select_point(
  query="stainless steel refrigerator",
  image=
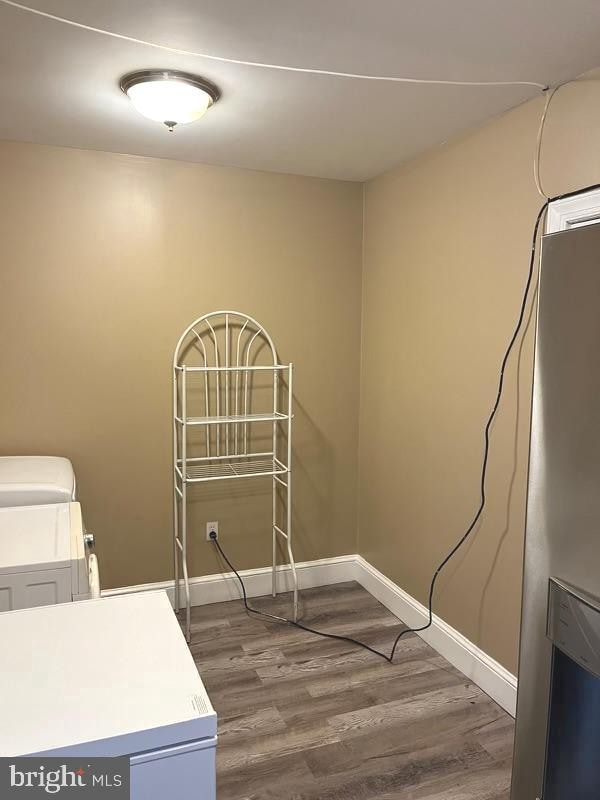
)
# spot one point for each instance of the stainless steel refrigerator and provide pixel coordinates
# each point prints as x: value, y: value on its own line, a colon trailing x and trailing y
x: 557, y: 745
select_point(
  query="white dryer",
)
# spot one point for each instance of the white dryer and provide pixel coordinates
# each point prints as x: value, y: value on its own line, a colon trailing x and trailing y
x: 36, y: 480
x: 112, y: 677
x: 44, y: 558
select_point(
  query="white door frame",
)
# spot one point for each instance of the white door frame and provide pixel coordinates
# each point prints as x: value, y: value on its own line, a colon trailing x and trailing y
x: 574, y: 212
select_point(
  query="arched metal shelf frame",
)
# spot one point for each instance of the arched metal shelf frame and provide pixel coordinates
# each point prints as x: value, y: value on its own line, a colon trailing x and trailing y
x: 214, y: 380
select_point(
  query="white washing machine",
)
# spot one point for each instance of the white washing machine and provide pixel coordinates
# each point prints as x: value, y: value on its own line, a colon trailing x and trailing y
x: 44, y: 558
x: 36, y: 480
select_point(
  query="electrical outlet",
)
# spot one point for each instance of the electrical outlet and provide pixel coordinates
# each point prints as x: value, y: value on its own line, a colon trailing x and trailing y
x: 212, y: 527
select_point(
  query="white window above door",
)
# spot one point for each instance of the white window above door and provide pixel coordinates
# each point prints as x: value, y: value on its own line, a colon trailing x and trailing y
x: 574, y: 212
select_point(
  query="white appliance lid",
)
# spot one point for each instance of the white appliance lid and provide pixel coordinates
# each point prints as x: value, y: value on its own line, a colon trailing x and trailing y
x: 38, y: 479
x: 114, y: 672
x: 35, y: 537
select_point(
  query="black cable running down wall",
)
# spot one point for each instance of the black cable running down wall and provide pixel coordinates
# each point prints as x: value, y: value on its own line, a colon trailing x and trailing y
x: 483, y: 474
x: 486, y: 449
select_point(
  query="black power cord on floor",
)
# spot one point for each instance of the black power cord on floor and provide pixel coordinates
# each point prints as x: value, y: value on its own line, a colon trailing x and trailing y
x: 483, y: 498
x: 275, y: 618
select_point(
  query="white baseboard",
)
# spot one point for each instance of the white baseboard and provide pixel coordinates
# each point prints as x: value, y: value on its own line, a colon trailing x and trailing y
x: 488, y: 674
x: 224, y: 586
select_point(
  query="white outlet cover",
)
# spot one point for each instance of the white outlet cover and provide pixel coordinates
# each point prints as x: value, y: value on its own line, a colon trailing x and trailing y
x: 212, y: 526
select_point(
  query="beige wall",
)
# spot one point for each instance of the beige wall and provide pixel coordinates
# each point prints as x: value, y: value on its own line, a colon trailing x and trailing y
x: 447, y: 241
x: 105, y: 259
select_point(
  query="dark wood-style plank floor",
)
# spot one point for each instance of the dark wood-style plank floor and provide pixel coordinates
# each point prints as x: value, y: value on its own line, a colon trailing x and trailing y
x: 306, y: 718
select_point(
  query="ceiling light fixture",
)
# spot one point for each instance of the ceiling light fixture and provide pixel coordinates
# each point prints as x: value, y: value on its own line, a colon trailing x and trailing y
x: 169, y: 96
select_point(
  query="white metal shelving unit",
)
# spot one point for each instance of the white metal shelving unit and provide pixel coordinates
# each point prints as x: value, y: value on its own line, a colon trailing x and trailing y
x: 222, y: 415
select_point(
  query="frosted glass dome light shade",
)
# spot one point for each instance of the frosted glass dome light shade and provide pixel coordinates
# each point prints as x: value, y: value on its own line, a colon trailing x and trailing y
x: 173, y: 98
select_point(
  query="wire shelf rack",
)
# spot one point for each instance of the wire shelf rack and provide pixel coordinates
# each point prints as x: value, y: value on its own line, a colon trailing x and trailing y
x: 219, y: 430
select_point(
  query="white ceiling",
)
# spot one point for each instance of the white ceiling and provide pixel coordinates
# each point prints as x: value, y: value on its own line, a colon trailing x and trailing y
x: 59, y: 84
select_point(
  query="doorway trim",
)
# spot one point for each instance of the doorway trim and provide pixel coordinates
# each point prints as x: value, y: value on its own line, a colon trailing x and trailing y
x: 574, y: 212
